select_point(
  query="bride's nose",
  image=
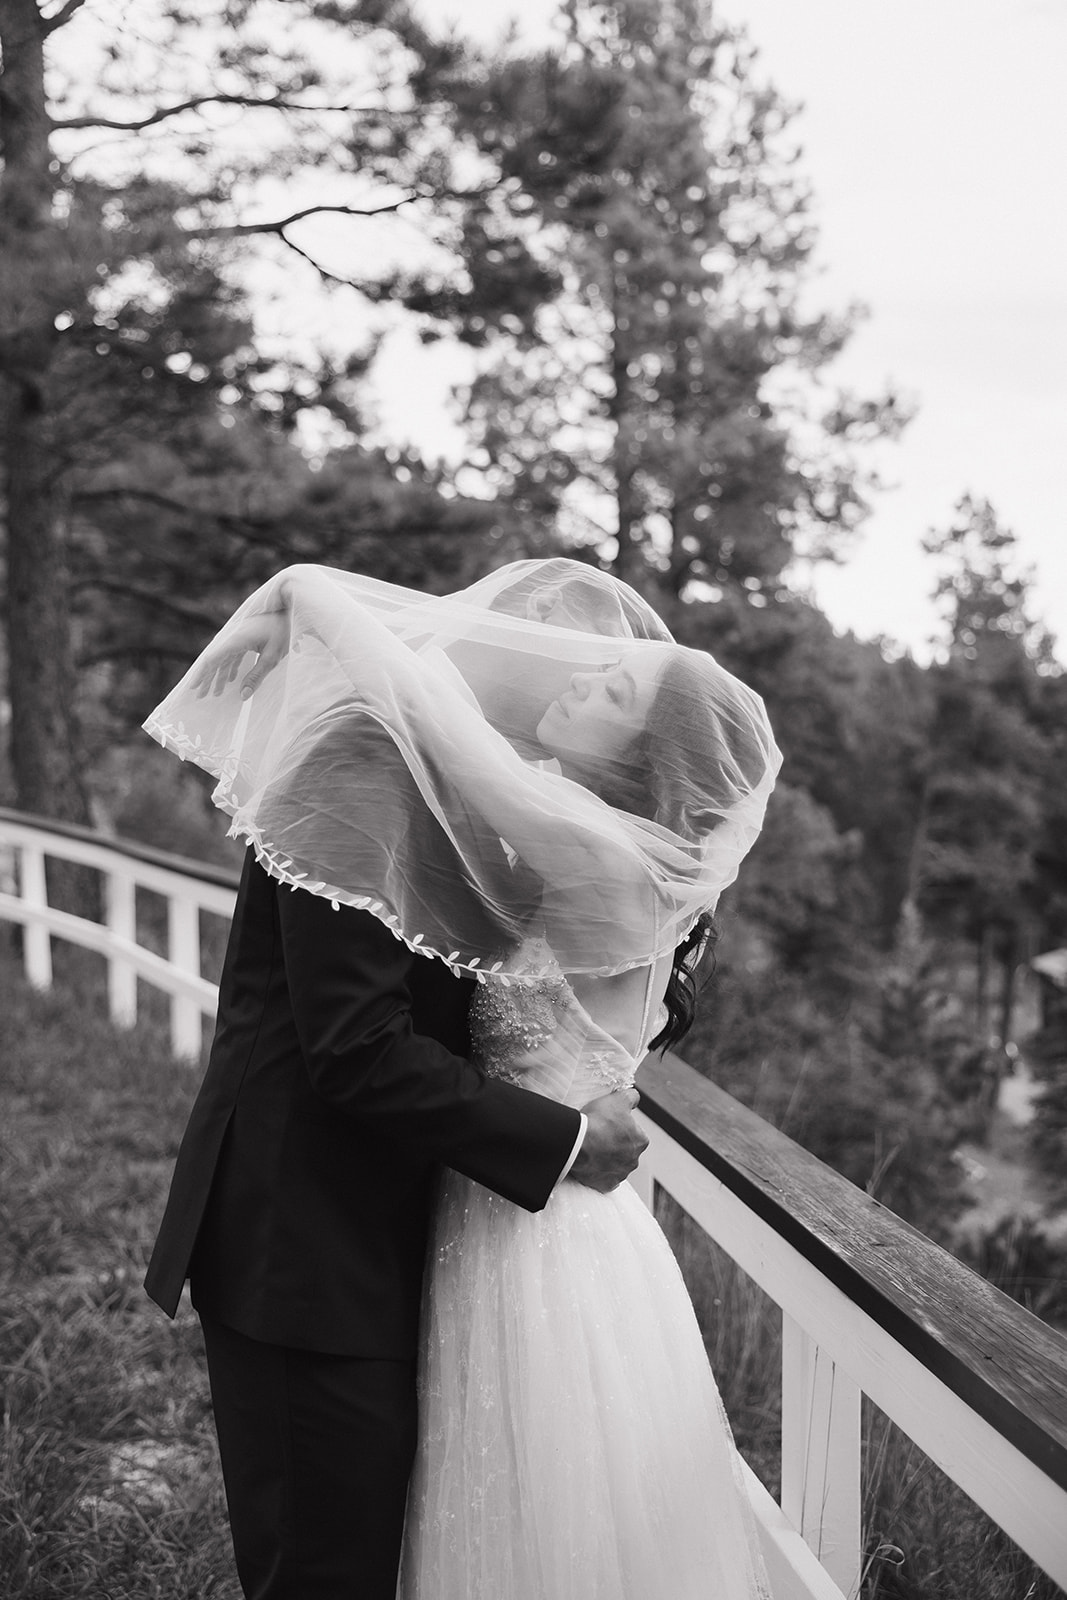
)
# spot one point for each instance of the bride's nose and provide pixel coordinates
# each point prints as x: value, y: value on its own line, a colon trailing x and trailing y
x: 581, y: 684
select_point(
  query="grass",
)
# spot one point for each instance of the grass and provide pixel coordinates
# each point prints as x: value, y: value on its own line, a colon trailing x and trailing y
x: 109, y: 1479
x: 926, y: 1538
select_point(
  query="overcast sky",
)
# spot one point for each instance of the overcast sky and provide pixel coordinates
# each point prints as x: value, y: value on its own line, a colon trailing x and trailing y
x: 935, y: 139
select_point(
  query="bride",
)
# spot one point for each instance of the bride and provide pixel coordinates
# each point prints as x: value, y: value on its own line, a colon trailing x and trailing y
x: 572, y: 1441
x: 600, y: 786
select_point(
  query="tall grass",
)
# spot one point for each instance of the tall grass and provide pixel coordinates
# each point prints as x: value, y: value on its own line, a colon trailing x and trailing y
x: 926, y: 1538
x: 109, y: 1480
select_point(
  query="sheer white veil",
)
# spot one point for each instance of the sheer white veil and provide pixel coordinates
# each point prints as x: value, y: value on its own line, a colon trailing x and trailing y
x: 397, y: 758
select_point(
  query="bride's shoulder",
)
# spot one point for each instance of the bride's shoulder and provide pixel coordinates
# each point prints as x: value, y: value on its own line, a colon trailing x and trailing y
x: 534, y: 958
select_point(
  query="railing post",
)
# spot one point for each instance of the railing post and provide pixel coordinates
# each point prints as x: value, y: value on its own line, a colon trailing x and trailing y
x: 821, y: 1487
x: 183, y: 951
x: 122, y: 921
x: 36, y: 945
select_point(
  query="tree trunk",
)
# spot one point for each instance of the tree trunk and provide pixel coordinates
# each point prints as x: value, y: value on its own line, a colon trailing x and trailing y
x: 914, y: 879
x: 45, y: 758
x: 622, y: 451
x: 44, y: 735
x: 981, y: 996
x: 1010, y: 958
x: 681, y: 560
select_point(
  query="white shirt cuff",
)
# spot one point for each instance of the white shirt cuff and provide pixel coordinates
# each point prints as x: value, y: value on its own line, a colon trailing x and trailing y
x: 577, y: 1146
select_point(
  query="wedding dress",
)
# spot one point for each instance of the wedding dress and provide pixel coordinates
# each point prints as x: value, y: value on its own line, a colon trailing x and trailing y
x: 573, y: 1445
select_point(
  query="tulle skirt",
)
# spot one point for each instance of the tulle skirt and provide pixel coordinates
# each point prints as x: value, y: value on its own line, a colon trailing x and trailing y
x: 573, y: 1443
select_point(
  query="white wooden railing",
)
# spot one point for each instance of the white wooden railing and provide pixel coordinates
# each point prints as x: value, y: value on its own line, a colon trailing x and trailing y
x: 189, y: 889
x: 869, y: 1306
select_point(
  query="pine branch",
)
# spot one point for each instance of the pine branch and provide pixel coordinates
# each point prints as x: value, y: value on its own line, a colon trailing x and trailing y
x: 154, y: 597
x: 324, y: 272
x: 58, y: 18
x: 249, y: 102
x: 160, y: 651
x: 243, y: 229
x: 237, y: 230
x: 247, y: 525
x: 269, y: 532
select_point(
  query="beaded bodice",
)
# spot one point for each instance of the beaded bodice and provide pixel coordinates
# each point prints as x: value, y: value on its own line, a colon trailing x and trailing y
x: 534, y: 1032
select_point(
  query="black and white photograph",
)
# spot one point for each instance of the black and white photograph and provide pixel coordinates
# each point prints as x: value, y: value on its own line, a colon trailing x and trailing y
x: 533, y: 800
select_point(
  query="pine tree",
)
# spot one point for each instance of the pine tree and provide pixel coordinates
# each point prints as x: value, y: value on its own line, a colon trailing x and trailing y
x: 648, y: 240
x: 985, y: 593
x: 120, y: 328
x: 991, y: 756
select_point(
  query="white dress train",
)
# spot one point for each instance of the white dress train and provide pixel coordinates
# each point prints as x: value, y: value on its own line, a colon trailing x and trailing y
x: 573, y: 1445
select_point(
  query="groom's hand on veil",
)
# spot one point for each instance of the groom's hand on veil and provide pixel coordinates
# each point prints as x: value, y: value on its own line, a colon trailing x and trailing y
x: 613, y: 1142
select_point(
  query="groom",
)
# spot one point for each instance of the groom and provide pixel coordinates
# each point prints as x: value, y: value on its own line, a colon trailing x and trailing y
x: 337, y: 1086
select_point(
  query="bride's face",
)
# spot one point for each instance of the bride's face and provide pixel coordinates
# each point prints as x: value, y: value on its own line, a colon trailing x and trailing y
x: 601, y: 713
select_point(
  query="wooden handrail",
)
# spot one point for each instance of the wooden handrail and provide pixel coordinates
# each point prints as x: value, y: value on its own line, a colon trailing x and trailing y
x: 187, y: 866
x: 1003, y: 1362
x: 869, y: 1307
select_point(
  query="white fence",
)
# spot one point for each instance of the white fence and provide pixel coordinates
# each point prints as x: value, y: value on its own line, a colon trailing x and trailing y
x: 189, y: 889
x: 869, y: 1306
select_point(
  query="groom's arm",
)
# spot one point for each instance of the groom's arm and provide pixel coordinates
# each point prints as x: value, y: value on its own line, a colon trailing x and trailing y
x: 349, y: 987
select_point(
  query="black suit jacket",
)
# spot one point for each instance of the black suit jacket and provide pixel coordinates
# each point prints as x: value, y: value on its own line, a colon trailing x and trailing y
x: 335, y: 1089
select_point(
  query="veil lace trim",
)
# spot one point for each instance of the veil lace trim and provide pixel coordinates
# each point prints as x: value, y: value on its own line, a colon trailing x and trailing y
x: 278, y: 866
x: 388, y: 753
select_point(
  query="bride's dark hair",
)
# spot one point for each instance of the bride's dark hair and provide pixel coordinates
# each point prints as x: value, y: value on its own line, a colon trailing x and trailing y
x: 681, y: 996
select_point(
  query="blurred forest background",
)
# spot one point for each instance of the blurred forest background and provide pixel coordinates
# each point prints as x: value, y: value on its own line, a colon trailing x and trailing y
x: 615, y: 235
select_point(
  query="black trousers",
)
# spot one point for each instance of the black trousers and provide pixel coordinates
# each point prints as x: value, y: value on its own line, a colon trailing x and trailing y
x: 316, y: 1453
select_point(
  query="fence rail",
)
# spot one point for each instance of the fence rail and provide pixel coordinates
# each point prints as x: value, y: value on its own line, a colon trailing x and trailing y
x: 869, y: 1306
x: 189, y: 888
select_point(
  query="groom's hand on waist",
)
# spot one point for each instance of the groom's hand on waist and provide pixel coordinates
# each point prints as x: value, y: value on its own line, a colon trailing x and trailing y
x: 613, y: 1142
